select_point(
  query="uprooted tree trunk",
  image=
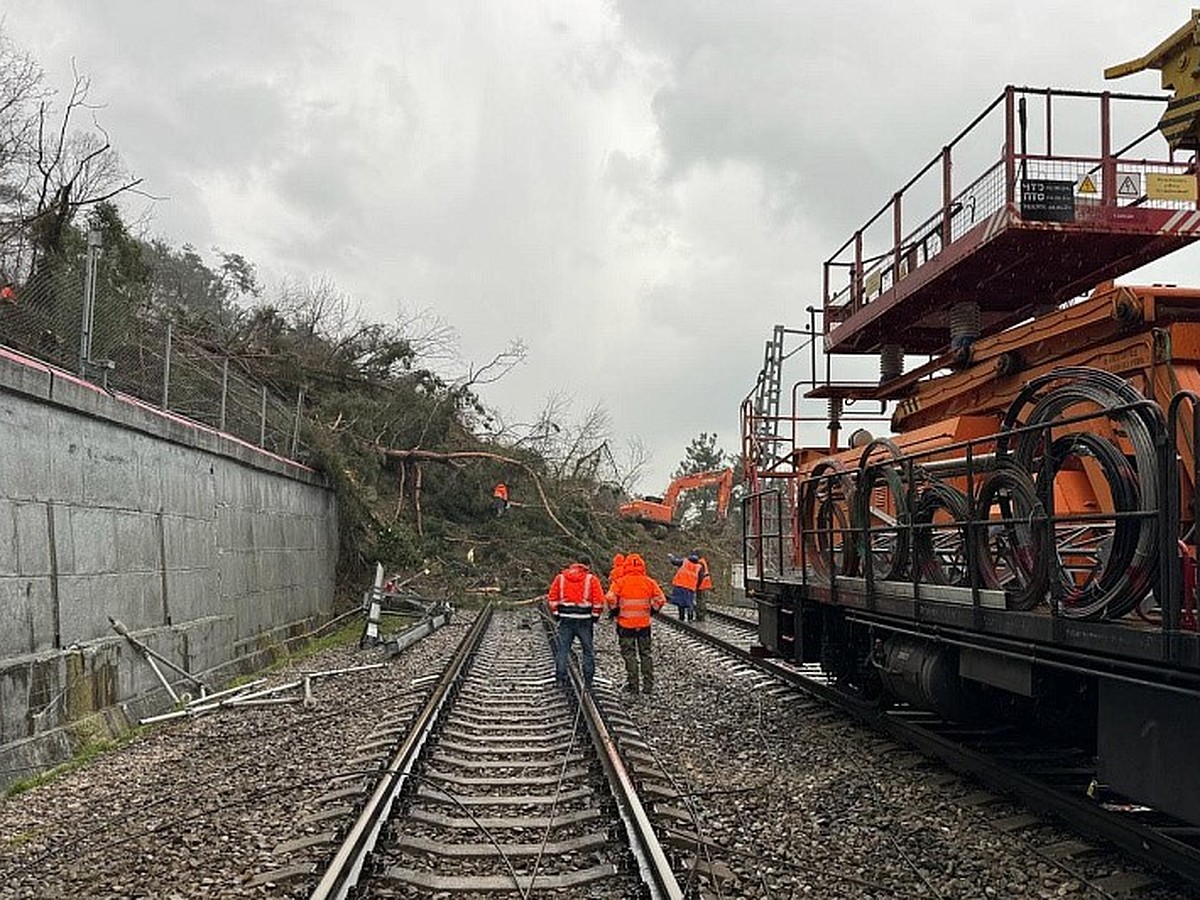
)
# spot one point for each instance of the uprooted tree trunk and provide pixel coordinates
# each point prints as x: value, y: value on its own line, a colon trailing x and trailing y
x: 455, y: 456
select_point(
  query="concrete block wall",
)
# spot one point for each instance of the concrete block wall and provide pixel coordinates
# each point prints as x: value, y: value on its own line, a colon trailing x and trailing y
x: 207, y: 549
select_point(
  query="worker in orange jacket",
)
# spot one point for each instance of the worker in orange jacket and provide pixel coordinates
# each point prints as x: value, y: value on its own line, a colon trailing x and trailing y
x: 617, y: 570
x: 703, y: 586
x: 631, y: 600
x: 576, y: 600
x: 685, y: 584
x: 500, y: 498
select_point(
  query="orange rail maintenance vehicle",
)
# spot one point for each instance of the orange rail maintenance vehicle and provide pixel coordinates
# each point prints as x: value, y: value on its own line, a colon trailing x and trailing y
x: 1023, y: 543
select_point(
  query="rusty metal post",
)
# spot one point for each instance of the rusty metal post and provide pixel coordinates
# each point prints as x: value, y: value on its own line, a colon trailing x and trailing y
x: 1010, y: 160
x: 947, y: 197
x: 1108, y: 165
x: 856, y: 283
x: 1049, y: 125
x: 897, y: 235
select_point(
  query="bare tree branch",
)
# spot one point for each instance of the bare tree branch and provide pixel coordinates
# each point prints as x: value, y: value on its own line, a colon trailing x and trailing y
x: 417, y: 454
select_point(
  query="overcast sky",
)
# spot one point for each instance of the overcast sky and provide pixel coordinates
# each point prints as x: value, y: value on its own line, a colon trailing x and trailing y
x: 638, y: 189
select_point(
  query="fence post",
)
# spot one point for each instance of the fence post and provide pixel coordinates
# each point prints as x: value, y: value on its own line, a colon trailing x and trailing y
x: 296, y: 423
x: 262, y: 420
x: 224, y: 389
x: 94, y: 241
x: 166, y: 392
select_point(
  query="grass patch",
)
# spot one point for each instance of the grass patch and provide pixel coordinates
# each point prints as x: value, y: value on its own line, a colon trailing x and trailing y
x: 347, y: 634
x: 16, y: 841
x: 92, y: 748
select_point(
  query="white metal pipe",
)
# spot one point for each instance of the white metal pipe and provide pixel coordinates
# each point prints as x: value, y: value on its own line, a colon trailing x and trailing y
x: 327, y: 672
x: 240, y: 689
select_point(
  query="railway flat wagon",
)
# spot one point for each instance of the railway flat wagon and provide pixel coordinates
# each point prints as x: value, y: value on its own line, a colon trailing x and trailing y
x: 1022, y: 546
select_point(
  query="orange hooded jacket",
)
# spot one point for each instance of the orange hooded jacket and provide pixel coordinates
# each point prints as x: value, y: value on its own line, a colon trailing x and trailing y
x: 617, y: 570
x: 576, y: 593
x: 635, y: 595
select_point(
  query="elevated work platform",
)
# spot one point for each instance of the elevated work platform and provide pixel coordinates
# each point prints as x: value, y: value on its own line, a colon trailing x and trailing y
x: 1036, y: 229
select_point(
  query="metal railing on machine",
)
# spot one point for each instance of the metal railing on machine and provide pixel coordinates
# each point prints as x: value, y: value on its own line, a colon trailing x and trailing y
x: 71, y: 316
x: 764, y: 528
x: 1060, y: 506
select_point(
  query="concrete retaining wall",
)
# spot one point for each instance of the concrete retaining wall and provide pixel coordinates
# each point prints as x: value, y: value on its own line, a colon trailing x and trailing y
x: 207, y: 549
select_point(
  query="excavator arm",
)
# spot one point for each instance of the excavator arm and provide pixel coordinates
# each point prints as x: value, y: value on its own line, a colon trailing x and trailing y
x: 663, y: 512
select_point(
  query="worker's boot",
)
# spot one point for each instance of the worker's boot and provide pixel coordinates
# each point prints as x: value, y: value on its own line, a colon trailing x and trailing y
x: 631, y: 687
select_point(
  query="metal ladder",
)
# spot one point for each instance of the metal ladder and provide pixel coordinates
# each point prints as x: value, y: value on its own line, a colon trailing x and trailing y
x: 766, y: 400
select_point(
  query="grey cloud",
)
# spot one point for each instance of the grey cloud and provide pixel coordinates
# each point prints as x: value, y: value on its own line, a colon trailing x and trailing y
x: 638, y: 189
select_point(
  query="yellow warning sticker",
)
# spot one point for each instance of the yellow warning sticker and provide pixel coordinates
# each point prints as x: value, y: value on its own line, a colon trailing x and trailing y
x: 1087, y: 186
x: 1161, y: 186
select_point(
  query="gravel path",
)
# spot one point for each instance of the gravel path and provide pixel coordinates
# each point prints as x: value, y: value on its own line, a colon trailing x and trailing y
x: 811, y: 804
x: 822, y: 807
x: 196, y: 808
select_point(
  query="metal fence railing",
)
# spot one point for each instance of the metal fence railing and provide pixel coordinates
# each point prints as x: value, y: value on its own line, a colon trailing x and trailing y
x: 75, y: 312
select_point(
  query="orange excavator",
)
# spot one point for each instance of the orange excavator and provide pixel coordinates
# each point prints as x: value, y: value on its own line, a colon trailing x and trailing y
x: 661, y: 510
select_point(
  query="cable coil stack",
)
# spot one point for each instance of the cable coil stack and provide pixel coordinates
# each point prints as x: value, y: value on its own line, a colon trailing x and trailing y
x: 1001, y: 513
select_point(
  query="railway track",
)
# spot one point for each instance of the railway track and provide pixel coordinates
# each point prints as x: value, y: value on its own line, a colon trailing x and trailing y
x: 1049, y: 780
x: 503, y: 785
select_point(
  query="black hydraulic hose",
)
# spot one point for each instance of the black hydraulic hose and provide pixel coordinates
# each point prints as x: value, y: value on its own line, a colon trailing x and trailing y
x: 891, y: 562
x: 939, y: 496
x: 1109, y: 588
x: 826, y: 499
x: 1140, y: 421
x: 1021, y: 540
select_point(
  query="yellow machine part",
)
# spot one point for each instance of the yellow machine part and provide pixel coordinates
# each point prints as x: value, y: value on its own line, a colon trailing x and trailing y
x: 1178, y: 59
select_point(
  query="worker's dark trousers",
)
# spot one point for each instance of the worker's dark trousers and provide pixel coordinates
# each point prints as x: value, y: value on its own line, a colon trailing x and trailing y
x: 568, y: 630
x: 639, y: 661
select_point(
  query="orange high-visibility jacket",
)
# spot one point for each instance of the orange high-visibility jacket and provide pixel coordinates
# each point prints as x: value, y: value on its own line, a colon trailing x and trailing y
x: 500, y: 491
x: 634, y: 595
x: 576, y: 594
x: 705, y: 576
x: 687, y: 575
x: 617, y: 570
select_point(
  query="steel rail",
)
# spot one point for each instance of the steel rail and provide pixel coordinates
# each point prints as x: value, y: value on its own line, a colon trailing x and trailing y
x: 343, y: 872
x: 653, y: 864
x: 1139, y: 841
x: 721, y: 616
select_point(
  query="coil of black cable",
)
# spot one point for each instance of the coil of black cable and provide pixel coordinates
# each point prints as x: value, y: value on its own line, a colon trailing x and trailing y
x: 826, y: 500
x: 890, y: 563
x: 1019, y: 540
x: 1053, y: 396
x: 940, y: 496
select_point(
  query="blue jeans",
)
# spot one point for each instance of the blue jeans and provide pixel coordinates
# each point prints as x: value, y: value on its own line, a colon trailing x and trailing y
x: 568, y: 630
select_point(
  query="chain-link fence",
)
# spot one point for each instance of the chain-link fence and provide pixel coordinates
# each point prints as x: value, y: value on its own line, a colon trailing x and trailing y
x: 119, y: 340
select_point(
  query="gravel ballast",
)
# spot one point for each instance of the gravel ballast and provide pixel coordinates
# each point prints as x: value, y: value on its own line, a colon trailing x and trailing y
x: 805, y: 802
x: 816, y: 805
x: 196, y: 808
